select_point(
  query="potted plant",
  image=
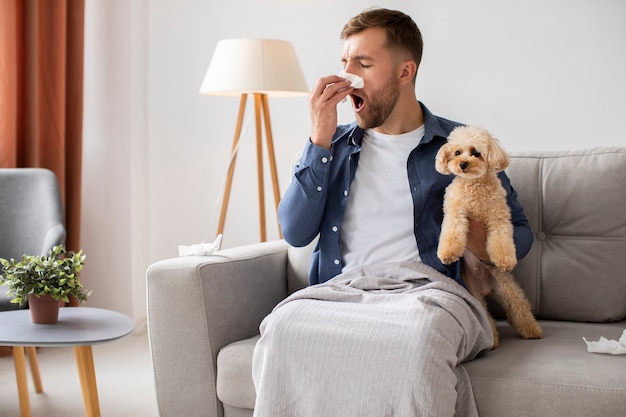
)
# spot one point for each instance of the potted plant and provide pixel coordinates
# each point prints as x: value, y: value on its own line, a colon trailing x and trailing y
x: 47, y: 279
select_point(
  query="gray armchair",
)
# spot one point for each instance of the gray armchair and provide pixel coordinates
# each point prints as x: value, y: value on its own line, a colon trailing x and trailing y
x: 31, y: 216
x: 31, y: 222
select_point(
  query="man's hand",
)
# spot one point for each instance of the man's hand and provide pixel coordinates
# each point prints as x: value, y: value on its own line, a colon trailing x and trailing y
x: 328, y: 92
x: 477, y: 241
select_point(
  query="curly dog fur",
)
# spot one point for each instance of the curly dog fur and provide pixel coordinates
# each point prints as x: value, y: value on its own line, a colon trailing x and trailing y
x: 476, y: 193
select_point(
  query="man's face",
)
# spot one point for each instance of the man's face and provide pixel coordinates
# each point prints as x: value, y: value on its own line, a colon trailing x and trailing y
x: 365, y: 55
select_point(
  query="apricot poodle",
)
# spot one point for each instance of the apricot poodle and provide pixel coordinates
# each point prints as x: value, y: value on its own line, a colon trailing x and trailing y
x: 476, y: 193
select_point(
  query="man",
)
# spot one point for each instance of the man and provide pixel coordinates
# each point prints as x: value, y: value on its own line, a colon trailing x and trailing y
x: 386, y: 331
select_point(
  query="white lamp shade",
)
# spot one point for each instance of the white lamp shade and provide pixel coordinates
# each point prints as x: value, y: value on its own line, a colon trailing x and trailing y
x: 265, y: 66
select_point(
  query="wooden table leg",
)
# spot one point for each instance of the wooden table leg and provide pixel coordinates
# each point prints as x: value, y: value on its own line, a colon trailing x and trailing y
x: 87, y: 375
x: 19, y: 361
x: 31, y: 353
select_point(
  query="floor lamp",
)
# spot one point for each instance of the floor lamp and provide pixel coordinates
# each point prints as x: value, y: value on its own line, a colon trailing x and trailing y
x: 261, y: 68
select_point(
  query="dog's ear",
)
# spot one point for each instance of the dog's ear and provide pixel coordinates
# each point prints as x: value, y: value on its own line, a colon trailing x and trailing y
x: 496, y: 157
x: 441, y: 160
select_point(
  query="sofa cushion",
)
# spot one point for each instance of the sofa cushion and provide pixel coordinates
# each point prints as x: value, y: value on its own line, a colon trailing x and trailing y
x: 551, y: 376
x: 234, y: 374
x: 575, y: 204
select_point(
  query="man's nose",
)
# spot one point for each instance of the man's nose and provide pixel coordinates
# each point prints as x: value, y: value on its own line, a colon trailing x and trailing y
x: 351, y: 67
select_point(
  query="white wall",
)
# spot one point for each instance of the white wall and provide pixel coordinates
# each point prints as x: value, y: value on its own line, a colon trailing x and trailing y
x: 115, y: 210
x: 545, y: 75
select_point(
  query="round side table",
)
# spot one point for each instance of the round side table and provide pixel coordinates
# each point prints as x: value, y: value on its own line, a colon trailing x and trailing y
x: 80, y: 327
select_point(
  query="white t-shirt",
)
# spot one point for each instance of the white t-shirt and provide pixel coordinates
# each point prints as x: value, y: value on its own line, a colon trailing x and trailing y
x: 378, y: 223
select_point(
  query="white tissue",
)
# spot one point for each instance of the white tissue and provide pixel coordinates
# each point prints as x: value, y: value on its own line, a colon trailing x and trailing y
x: 200, y: 249
x: 604, y: 345
x: 356, y: 81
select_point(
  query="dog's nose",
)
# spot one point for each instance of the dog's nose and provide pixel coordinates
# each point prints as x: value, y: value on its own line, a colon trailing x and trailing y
x: 463, y: 165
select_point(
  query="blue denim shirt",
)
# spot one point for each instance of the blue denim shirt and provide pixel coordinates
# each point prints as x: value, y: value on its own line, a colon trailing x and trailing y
x: 315, y: 201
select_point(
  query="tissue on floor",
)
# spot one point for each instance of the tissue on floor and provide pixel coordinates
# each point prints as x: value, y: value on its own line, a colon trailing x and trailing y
x: 604, y: 345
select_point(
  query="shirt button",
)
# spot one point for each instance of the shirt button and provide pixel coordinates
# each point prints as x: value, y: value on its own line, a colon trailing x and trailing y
x: 336, y: 261
x: 319, y: 188
x: 345, y: 193
x: 335, y: 228
x: 324, y: 160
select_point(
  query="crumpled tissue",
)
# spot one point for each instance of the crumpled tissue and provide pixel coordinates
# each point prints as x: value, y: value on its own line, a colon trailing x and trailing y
x: 357, y: 82
x: 200, y: 249
x: 604, y: 345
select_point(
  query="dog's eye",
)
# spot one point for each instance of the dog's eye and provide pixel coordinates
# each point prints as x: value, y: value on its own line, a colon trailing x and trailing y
x: 457, y: 153
x: 475, y: 153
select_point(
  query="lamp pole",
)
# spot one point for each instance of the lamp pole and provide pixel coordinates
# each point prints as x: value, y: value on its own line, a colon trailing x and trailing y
x: 262, y: 117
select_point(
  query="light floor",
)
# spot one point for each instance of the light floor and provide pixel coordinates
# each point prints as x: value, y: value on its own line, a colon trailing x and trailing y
x: 123, y: 373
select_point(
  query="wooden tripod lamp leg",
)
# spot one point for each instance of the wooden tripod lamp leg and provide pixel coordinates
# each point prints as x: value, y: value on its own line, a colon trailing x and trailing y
x: 261, y: 106
x: 259, y: 163
x: 231, y: 166
x: 272, y: 157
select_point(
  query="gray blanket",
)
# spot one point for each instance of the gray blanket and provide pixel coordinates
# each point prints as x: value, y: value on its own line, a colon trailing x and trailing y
x: 383, y: 340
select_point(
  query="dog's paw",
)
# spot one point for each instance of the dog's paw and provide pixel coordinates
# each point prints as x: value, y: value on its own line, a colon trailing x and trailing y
x: 525, y: 324
x: 447, y: 257
x: 502, y: 253
x: 450, y: 250
x: 530, y: 331
x: 505, y: 263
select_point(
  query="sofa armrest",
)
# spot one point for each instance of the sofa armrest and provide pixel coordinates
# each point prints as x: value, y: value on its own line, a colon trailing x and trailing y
x: 196, y: 306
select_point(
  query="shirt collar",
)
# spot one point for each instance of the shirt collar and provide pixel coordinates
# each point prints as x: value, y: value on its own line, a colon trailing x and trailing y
x: 432, y: 126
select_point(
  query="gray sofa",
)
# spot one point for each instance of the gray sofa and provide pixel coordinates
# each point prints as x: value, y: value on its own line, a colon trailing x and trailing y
x: 204, y: 312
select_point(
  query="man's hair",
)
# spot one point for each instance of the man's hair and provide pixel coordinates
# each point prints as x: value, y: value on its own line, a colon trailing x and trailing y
x: 403, y: 35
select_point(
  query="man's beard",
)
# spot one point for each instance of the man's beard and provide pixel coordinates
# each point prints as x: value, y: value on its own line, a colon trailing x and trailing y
x: 379, y: 106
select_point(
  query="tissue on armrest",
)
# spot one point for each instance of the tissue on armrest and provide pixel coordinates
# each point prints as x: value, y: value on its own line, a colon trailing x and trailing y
x: 604, y: 345
x: 200, y: 249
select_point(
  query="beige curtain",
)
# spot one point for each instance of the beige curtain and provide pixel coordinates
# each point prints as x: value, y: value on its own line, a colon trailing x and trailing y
x: 41, y: 94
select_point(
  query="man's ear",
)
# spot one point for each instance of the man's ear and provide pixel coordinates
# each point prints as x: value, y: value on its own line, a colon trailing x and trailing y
x: 441, y: 160
x: 407, y: 73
